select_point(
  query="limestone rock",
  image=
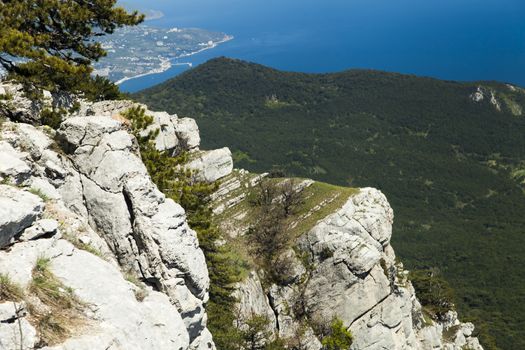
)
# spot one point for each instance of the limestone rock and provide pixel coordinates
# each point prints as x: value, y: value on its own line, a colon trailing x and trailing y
x: 34, y: 140
x: 188, y: 133
x: 18, y: 210
x: 12, y: 320
x: 44, y: 227
x: 116, y: 319
x: 12, y: 164
x: 212, y: 165
x: 167, y: 139
x: 352, y: 274
x: 253, y: 301
x: 146, y: 231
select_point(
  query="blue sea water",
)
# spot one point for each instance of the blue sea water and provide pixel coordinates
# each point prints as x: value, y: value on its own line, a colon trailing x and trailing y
x: 448, y: 39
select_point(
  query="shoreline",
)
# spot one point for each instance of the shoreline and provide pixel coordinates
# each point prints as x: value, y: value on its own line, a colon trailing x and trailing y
x: 166, y: 63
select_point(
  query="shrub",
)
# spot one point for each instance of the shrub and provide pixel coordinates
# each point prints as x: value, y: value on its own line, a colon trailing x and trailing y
x: 269, y: 236
x: 433, y: 292
x: 52, y: 117
x: 183, y: 187
x: 339, y: 337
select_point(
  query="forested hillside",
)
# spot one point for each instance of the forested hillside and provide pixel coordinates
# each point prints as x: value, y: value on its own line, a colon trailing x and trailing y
x: 449, y: 156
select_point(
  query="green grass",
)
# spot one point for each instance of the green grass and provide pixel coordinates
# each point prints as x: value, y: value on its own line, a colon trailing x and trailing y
x: 321, y: 200
x: 421, y: 141
x: 77, y: 243
x: 39, y: 193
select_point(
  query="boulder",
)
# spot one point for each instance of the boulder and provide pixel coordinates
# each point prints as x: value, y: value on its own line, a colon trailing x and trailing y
x: 211, y: 165
x: 15, y: 330
x: 12, y: 164
x: 41, y: 228
x: 188, y: 133
x: 18, y: 210
x: 34, y: 140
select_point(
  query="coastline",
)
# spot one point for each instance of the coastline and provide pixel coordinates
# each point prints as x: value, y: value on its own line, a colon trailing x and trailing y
x: 166, y: 63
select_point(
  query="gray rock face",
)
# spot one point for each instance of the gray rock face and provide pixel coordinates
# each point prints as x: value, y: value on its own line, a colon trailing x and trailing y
x: 212, y: 165
x: 100, y: 192
x: 352, y: 275
x: 253, y: 301
x: 146, y: 231
x: 23, y: 109
x: 119, y: 321
x: 18, y: 210
x: 11, y: 163
x: 188, y: 133
x: 175, y: 134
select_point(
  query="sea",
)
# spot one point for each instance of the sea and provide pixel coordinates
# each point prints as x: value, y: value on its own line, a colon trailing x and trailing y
x: 465, y: 40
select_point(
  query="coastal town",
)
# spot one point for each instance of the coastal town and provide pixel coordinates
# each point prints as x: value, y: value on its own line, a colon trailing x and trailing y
x: 143, y: 50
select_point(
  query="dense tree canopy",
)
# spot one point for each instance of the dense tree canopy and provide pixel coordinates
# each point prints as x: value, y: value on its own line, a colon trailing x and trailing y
x: 51, y: 44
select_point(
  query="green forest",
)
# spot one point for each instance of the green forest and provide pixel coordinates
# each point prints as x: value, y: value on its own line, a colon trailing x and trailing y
x: 452, y: 168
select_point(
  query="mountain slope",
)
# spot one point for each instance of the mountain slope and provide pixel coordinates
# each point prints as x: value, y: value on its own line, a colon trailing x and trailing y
x: 448, y: 155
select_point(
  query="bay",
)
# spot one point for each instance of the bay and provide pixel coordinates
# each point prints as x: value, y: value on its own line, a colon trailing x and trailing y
x: 464, y: 40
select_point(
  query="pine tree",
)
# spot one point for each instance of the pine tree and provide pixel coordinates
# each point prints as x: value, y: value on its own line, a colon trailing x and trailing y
x: 193, y: 195
x: 50, y: 44
x: 339, y: 338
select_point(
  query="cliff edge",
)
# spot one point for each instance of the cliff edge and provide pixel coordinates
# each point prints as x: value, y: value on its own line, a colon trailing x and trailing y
x: 94, y: 256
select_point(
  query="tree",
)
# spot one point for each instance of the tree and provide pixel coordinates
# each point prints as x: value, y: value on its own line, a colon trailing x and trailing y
x: 50, y: 44
x: 339, y: 338
x: 434, y: 293
x: 193, y: 195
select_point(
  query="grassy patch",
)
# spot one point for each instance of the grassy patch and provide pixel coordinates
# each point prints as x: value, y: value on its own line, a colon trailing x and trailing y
x: 39, y: 193
x: 140, y: 292
x: 77, y: 243
x: 321, y: 200
x: 61, y: 313
x: 9, y: 290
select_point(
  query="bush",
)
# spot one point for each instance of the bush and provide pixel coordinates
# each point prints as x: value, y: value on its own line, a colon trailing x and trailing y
x: 52, y: 117
x: 269, y: 236
x: 339, y: 337
x: 433, y: 292
x: 183, y: 187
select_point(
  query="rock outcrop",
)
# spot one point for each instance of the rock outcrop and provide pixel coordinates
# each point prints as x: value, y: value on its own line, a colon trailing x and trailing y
x: 82, y: 197
x: 347, y: 270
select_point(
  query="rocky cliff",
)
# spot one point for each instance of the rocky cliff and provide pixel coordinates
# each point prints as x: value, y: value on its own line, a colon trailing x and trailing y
x: 81, y: 221
x: 342, y: 266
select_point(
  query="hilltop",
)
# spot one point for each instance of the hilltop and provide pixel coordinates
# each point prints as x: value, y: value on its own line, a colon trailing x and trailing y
x: 448, y: 155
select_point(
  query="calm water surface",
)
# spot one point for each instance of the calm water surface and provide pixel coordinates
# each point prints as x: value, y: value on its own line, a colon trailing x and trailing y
x: 447, y: 39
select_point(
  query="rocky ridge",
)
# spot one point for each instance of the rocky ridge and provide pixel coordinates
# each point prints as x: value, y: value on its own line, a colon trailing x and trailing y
x: 81, y: 197
x: 344, y: 267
